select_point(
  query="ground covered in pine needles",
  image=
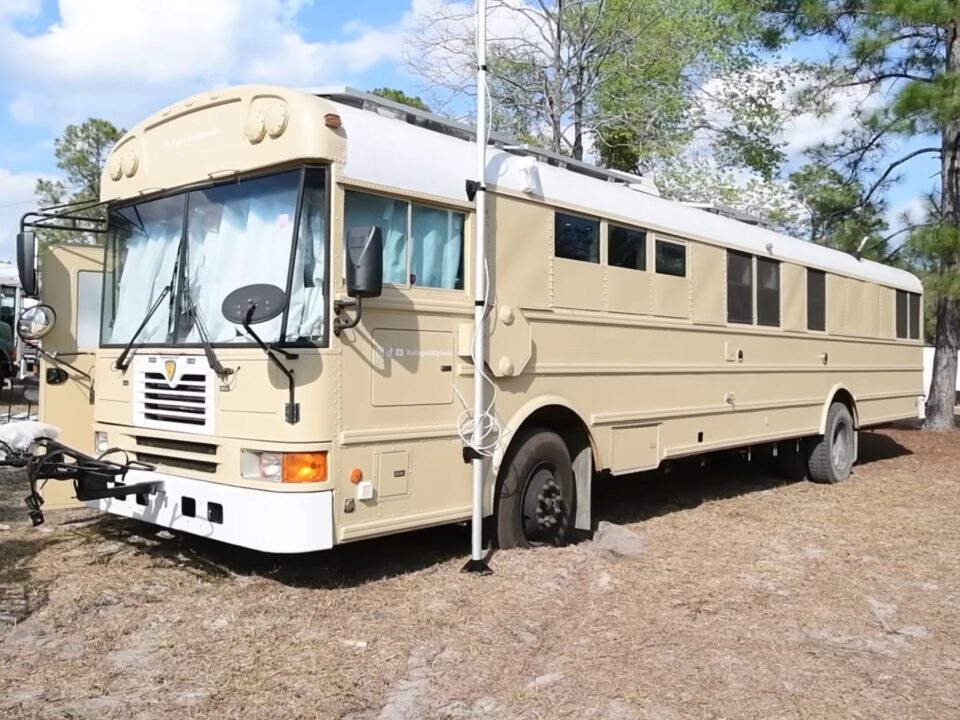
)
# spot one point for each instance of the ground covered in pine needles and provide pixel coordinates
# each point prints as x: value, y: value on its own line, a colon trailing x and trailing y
x: 742, y: 597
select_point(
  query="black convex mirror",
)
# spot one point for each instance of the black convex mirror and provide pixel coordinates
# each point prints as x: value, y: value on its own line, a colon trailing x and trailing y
x: 26, y: 262
x: 252, y: 304
x: 364, y: 261
x: 36, y: 322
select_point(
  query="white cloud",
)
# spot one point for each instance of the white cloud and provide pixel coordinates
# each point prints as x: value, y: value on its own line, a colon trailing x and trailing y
x: 797, y: 131
x: 16, y: 198
x: 121, y: 60
x: 809, y: 129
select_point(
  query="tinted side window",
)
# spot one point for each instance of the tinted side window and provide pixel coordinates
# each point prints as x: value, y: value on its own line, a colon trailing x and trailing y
x: 739, y: 287
x: 576, y: 238
x: 627, y: 248
x: 914, y: 316
x: 902, y: 312
x: 816, y: 300
x: 671, y: 258
x: 768, y: 292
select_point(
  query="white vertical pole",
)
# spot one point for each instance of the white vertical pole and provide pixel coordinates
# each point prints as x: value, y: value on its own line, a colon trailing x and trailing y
x: 479, y: 354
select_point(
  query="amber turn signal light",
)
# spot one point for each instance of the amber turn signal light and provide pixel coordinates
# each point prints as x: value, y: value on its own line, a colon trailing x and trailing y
x: 304, y: 467
x: 356, y: 475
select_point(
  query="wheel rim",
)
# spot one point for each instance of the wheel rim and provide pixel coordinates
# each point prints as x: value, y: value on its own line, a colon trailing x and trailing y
x: 840, y: 450
x: 542, y: 504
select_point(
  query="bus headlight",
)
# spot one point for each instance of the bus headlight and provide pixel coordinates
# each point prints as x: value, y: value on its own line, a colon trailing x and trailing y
x: 101, y: 442
x: 297, y: 467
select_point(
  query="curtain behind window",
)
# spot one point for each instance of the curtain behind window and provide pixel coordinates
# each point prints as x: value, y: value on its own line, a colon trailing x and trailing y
x: 390, y: 216
x: 437, y: 248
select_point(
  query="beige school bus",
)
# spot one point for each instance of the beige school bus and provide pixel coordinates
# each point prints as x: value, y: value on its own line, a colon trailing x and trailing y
x: 289, y: 408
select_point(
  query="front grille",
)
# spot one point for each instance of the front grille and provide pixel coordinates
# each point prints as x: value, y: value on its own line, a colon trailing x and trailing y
x: 175, y: 462
x: 185, y: 404
x: 178, y: 445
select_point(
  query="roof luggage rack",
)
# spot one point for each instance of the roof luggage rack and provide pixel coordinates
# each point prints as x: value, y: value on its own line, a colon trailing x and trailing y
x: 454, y: 128
x: 732, y: 213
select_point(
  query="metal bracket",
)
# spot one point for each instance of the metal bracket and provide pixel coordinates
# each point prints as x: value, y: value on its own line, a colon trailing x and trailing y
x: 338, y: 307
x: 85, y: 492
x: 66, y: 217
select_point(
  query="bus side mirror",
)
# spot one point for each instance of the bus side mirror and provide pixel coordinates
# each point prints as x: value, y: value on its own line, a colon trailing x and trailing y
x: 36, y: 322
x: 364, y: 261
x: 26, y: 262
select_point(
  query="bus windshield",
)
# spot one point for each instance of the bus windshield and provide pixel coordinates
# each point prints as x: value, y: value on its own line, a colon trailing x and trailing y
x: 205, y: 243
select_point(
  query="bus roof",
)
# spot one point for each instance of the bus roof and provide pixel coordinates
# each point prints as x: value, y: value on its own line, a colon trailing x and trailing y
x: 435, y: 156
x: 9, y: 277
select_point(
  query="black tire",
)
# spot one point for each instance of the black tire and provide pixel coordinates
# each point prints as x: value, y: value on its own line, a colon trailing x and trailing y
x: 831, y: 456
x: 535, y: 502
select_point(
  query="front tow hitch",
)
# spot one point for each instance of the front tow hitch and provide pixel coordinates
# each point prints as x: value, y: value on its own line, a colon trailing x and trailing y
x: 93, y: 478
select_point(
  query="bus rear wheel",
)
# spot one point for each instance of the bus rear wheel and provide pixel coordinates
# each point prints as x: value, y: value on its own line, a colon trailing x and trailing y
x: 535, y: 503
x: 832, y: 455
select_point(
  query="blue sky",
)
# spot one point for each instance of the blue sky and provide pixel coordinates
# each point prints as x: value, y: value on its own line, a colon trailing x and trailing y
x: 62, y: 61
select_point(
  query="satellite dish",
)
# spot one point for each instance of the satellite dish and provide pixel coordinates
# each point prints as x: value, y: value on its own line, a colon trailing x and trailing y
x: 254, y: 304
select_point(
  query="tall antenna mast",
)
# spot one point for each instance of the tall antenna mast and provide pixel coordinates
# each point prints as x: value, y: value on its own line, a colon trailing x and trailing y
x: 477, y: 564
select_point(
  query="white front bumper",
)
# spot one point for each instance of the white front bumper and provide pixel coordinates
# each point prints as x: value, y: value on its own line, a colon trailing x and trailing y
x: 276, y: 522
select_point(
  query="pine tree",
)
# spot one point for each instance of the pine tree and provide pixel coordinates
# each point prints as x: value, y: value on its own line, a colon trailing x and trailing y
x: 906, y: 54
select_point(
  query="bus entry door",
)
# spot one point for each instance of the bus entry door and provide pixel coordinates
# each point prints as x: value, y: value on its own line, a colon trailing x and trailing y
x: 71, y: 282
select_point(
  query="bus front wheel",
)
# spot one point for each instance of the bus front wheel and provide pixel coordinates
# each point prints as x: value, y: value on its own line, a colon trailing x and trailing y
x: 535, y: 502
x: 832, y: 455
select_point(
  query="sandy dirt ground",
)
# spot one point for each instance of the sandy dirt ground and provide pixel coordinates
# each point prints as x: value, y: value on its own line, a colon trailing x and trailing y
x: 737, y: 595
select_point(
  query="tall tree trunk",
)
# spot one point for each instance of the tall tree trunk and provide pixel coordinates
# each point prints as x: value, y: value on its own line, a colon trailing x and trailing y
x: 556, y: 90
x: 578, y: 114
x: 942, y: 400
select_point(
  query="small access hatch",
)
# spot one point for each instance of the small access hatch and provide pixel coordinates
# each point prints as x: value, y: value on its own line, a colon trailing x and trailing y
x: 393, y: 474
x: 412, y: 367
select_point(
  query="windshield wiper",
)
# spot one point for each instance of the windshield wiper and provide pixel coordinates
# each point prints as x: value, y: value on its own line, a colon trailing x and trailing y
x: 122, y: 363
x: 212, y: 358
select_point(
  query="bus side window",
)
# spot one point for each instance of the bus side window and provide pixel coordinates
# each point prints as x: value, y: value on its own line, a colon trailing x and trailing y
x: 671, y: 258
x: 914, y: 303
x: 816, y: 300
x: 392, y: 217
x: 89, y: 297
x: 902, y: 314
x: 576, y: 238
x: 436, y: 258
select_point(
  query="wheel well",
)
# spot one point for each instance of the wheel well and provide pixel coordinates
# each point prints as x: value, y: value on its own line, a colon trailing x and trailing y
x: 843, y: 395
x: 563, y: 421
x: 573, y: 431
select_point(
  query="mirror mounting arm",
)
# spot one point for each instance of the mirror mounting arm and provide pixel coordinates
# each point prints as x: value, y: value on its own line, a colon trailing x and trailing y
x: 56, y: 360
x: 341, y: 325
x: 292, y: 409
